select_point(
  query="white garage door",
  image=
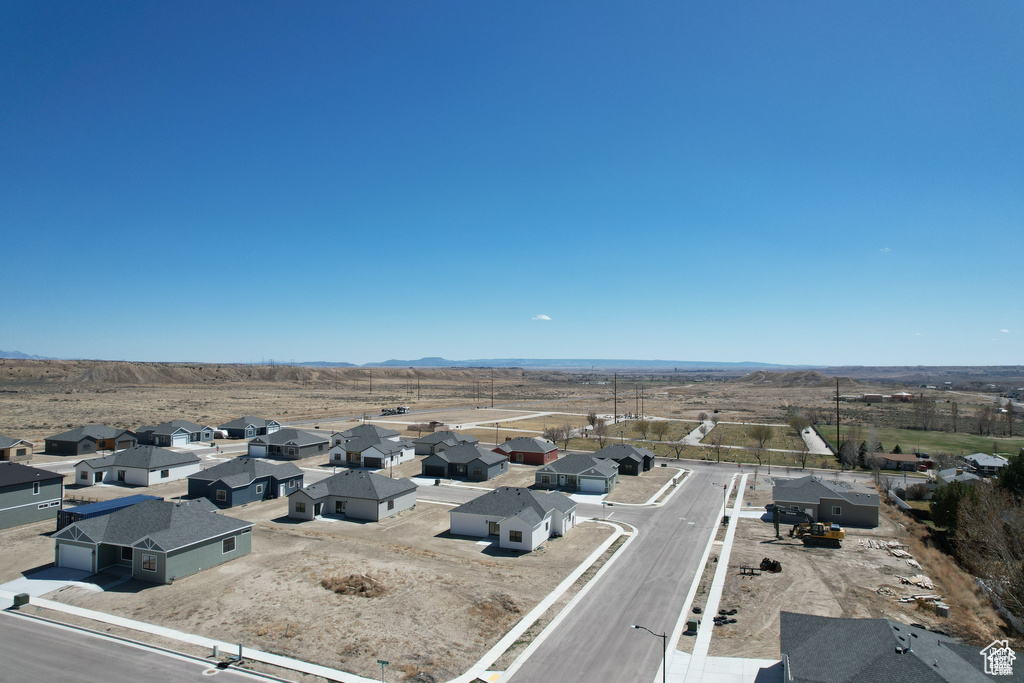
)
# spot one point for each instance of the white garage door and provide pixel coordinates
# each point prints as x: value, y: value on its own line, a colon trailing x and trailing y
x: 75, y: 557
x: 179, y: 440
x: 257, y: 451
x: 591, y: 486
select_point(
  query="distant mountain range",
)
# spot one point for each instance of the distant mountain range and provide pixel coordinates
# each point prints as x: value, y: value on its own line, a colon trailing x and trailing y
x: 22, y: 356
x: 552, y: 363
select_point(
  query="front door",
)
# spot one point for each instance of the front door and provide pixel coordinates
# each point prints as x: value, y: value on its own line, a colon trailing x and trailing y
x: 280, y: 492
x: 98, y: 477
x: 318, y: 509
x: 493, y: 529
x: 339, y: 507
x: 120, y: 475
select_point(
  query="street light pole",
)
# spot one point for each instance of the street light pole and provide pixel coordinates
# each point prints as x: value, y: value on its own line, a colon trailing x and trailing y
x: 664, y: 646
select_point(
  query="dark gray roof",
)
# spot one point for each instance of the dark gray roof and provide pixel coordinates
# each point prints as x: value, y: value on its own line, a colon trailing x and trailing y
x: 369, y: 430
x: 170, y: 525
x: 359, y: 444
x: 12, y: 473
x: 145, y: 457
x: 9, y: 441
x: 244, y: 471
x: 243, y: 422
x: 624, y: 451
x: 527, y: 444
x: 359, y: 484
x: 298, y: 437
x: 465, y: 453
x: 94, y: 431
x: 811, y: 489
x: 836, y: 650
x: 171, y: 427
x: 582, y: 463
x: 510, y: 501
x: 446, y: 435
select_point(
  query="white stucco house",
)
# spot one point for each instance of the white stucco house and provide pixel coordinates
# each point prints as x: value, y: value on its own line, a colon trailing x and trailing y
x: 517, y: 518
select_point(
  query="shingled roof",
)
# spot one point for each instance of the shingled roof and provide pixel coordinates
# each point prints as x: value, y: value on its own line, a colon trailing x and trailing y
x: 241, y: 472
x: 359, y: 484
x: 243, y: 422
x: 97, y: 432
x: 465, y: 453
x: 359, y: 444
x: 836, y: 650
x: 169, y: 525
x: 527, y: 444
x: 510, y: 501
x: 811, y: 489
x: 167, y: 428
x: 12, y: 473
x: 145, y: 457
x: 446, y: 436
x: 283, y: 437
x: 624, y: 451
x: 369, y: 431
x: 582, y: 464
x: 10, y: 442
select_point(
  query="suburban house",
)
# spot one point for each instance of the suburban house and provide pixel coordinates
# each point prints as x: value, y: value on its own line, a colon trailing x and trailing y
x: 579, y: 472
x: 631, y: 459
x: 104, y: 507
x: 438, y: 441
x: 11, y: 448
x: 825, y: 502
x: 956, y: 474
x: 356, y: 494
x: 368, y: 431
x: 249, y: 426
x: 517, y: 518
x: 894, y: 461
x: 174, y: 433
x: 985, y: 465
x: 244, y: 480
x: 28, y: 494
x: 529, y: 450
x: 841, y: 650
x: 90, y: 439
x: 291, y: 444
x: 158, y: 541
x: 369, y: 446
x: 137, y: 466
x: 465, y: 461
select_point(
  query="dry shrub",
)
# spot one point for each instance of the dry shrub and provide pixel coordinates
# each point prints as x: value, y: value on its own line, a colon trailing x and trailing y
x: 363, y: 585
x: 496, y: 608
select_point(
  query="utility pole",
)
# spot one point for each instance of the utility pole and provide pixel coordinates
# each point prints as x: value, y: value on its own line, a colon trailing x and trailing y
x: 371, y: 381
x: 615, y: 393
x: 492, y: 389
x: 837, y: 413
x: 641, y: 401
x: 417, y: 386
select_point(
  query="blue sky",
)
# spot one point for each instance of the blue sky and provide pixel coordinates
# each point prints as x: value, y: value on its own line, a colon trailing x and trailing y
x: 801, y: 183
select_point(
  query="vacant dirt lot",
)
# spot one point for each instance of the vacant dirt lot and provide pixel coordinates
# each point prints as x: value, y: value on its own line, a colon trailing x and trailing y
x: 445, y: 600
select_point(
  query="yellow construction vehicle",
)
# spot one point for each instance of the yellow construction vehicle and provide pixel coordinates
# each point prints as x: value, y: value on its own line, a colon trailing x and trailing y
x: 817, y: 533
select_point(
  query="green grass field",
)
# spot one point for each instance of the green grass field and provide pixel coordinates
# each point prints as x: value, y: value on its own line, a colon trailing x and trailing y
x: 739, y: 435
x: 911, y: 440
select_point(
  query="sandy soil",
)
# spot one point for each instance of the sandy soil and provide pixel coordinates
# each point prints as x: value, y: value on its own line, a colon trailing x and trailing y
x: 639, y: 489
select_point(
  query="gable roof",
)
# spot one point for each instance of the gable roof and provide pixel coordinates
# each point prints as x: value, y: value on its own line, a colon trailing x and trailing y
x: 368, y: 430
x: 446, y: 435
x: 13, y: 473
x: 359, y: 484
x: 986, y: 460
x: 241, y: 472
x: 243, y: 422
x: 510, y: 501
x: 837, y: 650
x: 582, y: 464
x: 97, y: 432
x: 169, y: 525
x: 9, y: 442
x: 465, y: 453
x: 624, y: 451
x: 527, y: 444
x: 171, y: 427
x: 811, y: 489
x: 145, y: 457
x: 358, y: 444
x: 297, y: 437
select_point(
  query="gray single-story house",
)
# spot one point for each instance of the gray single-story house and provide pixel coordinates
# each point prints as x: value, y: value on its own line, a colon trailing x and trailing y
x: 159, y: 541
x: 579, y: 472
x: 90, y: 439
x: 356, y: 494
x: 844, y: 650
x: 517, y: 518
x: 367, y: 431
x: 137, y: 466
x: 438, y: 441
x: 244, y: 480
x: 985, y: 465
x: 370, y: 451
x: 175, y: 433
x: 12, y: 449
x: 28, y: 494
x: 249, y: 426
x: 465, y: 461
x: 290, y: 444
x: 631, y: 459
x: 825, y: 502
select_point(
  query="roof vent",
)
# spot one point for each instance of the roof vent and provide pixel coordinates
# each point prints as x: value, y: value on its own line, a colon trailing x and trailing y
x: 903, y: 650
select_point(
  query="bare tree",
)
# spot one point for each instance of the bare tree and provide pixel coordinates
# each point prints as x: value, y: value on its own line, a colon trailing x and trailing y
x: 554, y: 433
x: 803, y: 454
x: 954, y: 414
x: 641, y: 427
x: 717, y: 442
x: 704, y: 429
x: 848, y: 454
x: 715, y: 419
x: 567, y: 430
x: 988, y: 542
x: 702, y: 416
x: 984, y: 420
x: 678, y: 447
x: 600, y: 431
x: 762, y: 434
x: 591, y: 418
x: 660, y: 428
x: 419, y: 428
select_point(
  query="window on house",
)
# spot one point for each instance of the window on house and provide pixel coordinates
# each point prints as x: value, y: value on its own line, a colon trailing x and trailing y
x: 545, y: 479
x: 43, y: 506
x: 291, y: 484
x: 391, y: 505
x: 164, y: 474
x: 228, y: 545
x: 515, y: 536
x: 85, y: 475
x: 35, y: 488
x: 126, y: 552
x: 836, y: 510
x: 477, y: 472
x: 21, y: 451
x: 300, y: 507
x: 120, y: 475
x: 222, y: 495
x: 149, y: 562
x: 259, y: 489
x: 547, y: 525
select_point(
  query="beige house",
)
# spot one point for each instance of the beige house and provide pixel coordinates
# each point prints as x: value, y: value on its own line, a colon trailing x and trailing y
x: 15, y: 449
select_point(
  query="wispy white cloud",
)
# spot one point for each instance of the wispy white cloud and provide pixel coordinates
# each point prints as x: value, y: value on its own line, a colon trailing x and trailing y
x: 884, y: 250
x: 1005, y: 331
x: 541, y: 317
x: 917, y: 334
